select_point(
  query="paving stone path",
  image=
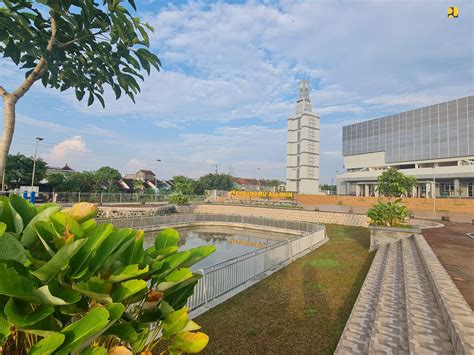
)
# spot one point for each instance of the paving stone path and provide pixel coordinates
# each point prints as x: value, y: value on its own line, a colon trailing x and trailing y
x: 408, y: 305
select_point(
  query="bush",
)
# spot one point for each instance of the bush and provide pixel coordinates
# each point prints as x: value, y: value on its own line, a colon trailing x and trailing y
x: 178, y: 198
x: 69, y: 284
x: 390, y: 214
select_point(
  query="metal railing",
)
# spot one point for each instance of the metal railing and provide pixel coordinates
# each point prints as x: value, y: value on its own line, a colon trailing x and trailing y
x: 220, y: 279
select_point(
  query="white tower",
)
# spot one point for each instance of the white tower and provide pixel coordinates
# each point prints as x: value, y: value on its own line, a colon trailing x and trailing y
x: 302, y: 155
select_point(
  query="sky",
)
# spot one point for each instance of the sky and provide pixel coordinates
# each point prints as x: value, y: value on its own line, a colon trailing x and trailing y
x: 229, y: 81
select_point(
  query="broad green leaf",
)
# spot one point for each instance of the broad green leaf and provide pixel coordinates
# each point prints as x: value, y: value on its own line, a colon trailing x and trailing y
x: 47, y: 345
x: 66, y: 226
x: 47, y: 235
x: 189, y: 342
x: 95, y: 350
x: 11, y: 249
x: 80, y: 262
x: 127, y: 272
x: 115, y: 310
x: 177, y: 296
x: 43, y: 294
x: 111, y: 244
x: 24, y: 208
x: 124, y: 331
x: 83, y: 211
x: 29, y: 236
x: 126, y: 289
x: 14, y: 285
x: 88, y: 225
x: 174, y: 278
x: 21, y: 314
x: 135, y: 254
x: 175, y: 322
x: 58, y: 262
x: 163, y: 267
x: 12, y: 218
x: 95, y: 288
x: 168, y: 237
x: 199, y: 253
x: 4, y: 328
x: 78, y: 333
x: 3, y: 228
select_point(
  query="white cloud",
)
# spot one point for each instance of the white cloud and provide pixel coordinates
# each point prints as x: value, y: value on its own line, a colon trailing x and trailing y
x: 166, y: 124
x: 72, y: 148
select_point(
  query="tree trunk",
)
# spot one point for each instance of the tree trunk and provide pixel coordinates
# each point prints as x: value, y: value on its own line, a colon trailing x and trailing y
x: 9, y: 102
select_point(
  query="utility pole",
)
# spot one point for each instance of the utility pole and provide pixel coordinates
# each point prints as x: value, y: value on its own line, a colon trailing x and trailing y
x: 38, y: 139
x: 217, y: 168
x: 434, y: 191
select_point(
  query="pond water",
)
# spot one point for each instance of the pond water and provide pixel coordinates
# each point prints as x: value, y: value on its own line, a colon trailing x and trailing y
x: 229, y: 242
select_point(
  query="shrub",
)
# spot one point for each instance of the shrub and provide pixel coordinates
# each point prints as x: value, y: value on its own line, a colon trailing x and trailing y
x: 178, y: 198
x: 69, y: 284
x: 390, y: 214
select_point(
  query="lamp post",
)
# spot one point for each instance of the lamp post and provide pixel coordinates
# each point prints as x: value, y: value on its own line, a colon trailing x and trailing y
x: 38, y: 139
x: 258, y: 181
x: 156, y: 184
x: 337, y: 190
x: 434, y: 191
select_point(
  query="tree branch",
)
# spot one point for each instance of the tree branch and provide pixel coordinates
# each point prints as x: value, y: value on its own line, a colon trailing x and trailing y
x: 40, y: 66
x: 82, y: 37
x: 3, y: 92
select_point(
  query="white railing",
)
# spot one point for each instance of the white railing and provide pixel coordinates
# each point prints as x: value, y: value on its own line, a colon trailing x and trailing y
x: 220, y: 279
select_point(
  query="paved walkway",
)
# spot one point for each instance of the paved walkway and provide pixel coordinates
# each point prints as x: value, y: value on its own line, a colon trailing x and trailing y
x: 454, y: 216
x: 455, y: 251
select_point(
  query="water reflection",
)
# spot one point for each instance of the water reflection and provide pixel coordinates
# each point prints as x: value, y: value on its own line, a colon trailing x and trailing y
x: 229, y: 242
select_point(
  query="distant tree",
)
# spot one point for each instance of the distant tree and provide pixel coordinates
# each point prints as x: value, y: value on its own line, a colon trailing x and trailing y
x: 183, y: 184
x: 216, y: 182
x: 107, y: 178
x: 138, y: 185
x: 20, y: 170
x: 82, y: 45
x: 56, y: 181
x: 273, y: 183
x: 393, y: 183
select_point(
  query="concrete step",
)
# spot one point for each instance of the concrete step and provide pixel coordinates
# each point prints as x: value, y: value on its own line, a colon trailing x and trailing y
x: 390, y: 332
x: 426, y: 330
x: 356, y: 336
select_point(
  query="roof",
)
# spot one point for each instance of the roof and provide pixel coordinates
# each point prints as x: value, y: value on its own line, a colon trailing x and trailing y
x: 146, y: 172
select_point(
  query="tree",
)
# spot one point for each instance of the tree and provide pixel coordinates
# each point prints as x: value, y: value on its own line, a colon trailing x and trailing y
x: 56, y: 181
x: 214, y: 182
x: 183, y: 184
x: 83, y: 45
x: 20, y: 170
x: 393, y: 182
x: 107, y: 177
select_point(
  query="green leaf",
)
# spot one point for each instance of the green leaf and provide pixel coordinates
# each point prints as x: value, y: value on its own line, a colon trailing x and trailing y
x: 80, y: 262
x: 174, y: 278
x: 17, y: 314
x: 4, y: 328
x: 29, y: 236
x: 124, y: 331
x: 136, y: 253
x: 11, y: 249
x: 95, y: 350
x: 78, y: 333
x: 95, y: 288
x: 168, y: 237
x: 126, y: 289
x: 175, y: 322
x: 47, y: 345
x: 127, y: 272
x: 189, y: 342
x: 58, y: 262
x: 163, y: 267
x: 25, y: 209
x: 14, y: 285
x: 3, y: 228
x: 199, y: 253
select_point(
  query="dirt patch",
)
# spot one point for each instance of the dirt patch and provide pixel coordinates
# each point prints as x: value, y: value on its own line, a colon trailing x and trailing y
x: 455, y: 251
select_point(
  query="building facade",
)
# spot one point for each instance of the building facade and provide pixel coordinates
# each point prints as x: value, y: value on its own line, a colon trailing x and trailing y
x: 302, y: 156
x: 434, y: 144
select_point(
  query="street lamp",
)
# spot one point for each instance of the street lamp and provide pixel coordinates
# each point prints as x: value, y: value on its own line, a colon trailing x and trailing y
x: 38, y: 139
x: 337, y: 190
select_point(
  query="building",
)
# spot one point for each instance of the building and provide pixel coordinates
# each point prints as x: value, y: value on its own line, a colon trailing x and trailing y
x: 302, y: 156
x: 147, y: 177
x: 66, y: 169
x: 434, y: 144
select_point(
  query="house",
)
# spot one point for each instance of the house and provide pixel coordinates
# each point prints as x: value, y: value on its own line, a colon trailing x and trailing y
x: 66, y: 169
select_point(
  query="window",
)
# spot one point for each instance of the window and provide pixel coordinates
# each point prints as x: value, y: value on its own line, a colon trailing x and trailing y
x: 470, y: 189
x: 446, y: 189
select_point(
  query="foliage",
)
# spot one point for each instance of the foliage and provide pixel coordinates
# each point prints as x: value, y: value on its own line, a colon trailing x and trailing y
x: 390, y: 213
x: 20, y: 169
x: 102, y: 180
x: 326, y: 187
x: 213, y: 182
x: 107, y: 177
x: 69, y: 284
x: 393, y: 182
x: 92, y: 44
x: 183, y: 184
x: 178, y: 198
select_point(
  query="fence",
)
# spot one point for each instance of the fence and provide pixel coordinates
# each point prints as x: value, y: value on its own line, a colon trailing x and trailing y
x: 106, y: 197
x: 220, y: 279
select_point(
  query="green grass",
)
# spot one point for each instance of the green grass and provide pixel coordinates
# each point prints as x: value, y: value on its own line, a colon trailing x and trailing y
x: 301, y: 309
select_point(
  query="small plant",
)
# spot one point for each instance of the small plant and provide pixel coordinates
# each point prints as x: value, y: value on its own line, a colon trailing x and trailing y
x: 178, y: 198
x: 69, y: 285
x: 389, y: 214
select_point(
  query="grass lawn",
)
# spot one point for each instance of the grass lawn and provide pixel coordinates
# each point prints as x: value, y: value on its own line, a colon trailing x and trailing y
x: 301, y: 309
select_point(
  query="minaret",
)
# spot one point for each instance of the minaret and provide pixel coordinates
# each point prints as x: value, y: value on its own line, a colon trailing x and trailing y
x: 302, y: 155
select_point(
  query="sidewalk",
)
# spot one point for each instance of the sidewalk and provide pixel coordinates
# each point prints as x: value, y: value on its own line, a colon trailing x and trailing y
x: 453, y: 216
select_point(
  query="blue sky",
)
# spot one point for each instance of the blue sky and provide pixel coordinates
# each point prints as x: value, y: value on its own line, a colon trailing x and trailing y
x: 229, y: 81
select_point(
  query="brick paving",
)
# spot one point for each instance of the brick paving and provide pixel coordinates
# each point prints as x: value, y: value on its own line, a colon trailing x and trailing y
x: 408, y: 305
